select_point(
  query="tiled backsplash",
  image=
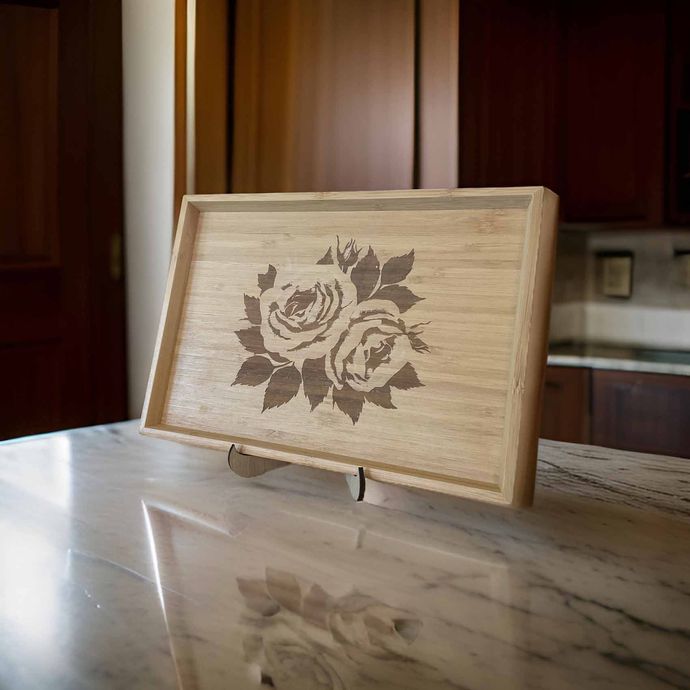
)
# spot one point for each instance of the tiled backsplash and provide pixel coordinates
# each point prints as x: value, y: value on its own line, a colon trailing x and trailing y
x: 658, y: 312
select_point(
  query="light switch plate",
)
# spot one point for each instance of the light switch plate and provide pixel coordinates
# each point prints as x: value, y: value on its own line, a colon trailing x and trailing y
x: 617, y: 274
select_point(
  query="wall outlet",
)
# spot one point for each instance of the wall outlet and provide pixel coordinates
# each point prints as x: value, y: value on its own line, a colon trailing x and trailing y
x: 617, y: 269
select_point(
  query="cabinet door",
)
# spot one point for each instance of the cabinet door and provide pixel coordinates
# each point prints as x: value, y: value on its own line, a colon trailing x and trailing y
x: 507, y: 93
x: 613, y: 111
x: 642, y: 412
x: 565, y: 411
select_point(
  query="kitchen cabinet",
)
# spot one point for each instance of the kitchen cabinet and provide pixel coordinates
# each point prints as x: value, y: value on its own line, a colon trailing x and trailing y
x: 567, y: 95
x: 352, y: 94
x: 508, y: 81
x: 679, y: 113
x: 642, y: 412
x: 612, y: 114
x: 565, y: 409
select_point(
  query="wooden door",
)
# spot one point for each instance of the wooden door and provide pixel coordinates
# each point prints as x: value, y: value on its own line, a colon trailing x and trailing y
x: 643, y: 412
x: 323, y: 95
x: 62, y: 347
x: 565, y: 410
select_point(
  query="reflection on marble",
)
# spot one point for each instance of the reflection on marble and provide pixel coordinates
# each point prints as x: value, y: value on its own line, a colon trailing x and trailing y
x: 129, y: 562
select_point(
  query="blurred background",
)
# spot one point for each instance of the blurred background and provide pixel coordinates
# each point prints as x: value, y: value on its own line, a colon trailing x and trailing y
x: 111, y: 110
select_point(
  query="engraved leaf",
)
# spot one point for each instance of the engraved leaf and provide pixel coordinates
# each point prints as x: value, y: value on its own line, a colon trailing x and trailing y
x: 284, y: 588
x: 397, y: 268
x: 316, y: 606
x: 405, y: 378
x: 402, y: 296
x: 254, y: 371
x: 418, y: 344
x: 316, y: 383
x: 327, y: 258
x: 267, y: 280
x: 282, y: 387
x: 349, y: 401
x: 252, y: 309
x: 256, y: 596
x: 381, y: 397
x: 251, y: 339
x: 365, y: 275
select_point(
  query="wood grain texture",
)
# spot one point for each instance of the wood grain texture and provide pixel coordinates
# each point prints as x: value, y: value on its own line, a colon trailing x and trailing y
x: 613, y: 99
x: 508, y: 93
x: 565, y: 414
x: 455, y: 284
x: 211, y: 97
x: 437, y: 93
x: 643, y: 412
x: 62, y: 340
x: 323, y: 95
x: 28, y: 136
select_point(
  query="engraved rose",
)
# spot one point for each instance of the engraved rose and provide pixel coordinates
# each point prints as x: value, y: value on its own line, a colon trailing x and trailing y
x: 334, y: 329
x: 303, y: 314
x: 375, y: 347
x: 300, y: 636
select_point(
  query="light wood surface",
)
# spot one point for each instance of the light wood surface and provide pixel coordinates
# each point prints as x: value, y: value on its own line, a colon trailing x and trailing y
x: 440, y: 392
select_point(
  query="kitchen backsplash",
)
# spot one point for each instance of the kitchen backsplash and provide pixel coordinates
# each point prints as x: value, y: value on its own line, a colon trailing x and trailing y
x: 658, y: 312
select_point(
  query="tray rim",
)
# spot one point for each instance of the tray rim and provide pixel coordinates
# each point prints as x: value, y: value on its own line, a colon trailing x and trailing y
x: 529, y: 348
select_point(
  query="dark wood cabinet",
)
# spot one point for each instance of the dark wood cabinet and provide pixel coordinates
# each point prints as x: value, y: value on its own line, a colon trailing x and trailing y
x: 569, y: 95
x: 508, y: 88
x: 613, y: 111
x: 396, y: 94
x: 642, y: 412
x: 565, y: 409
x: 678, y: 116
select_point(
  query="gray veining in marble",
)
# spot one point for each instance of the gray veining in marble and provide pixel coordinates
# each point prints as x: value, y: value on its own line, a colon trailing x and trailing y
x: 129, y: 562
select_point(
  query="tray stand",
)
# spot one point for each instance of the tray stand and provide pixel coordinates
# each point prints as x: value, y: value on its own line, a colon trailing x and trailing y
x: 249, y: 466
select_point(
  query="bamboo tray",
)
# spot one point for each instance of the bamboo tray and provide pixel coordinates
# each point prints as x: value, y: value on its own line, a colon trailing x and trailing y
x: 401, y: 331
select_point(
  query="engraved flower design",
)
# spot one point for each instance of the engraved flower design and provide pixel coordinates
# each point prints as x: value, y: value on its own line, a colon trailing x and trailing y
x: 303, y: 637
x: 335, y: 329
x: 305, y: 311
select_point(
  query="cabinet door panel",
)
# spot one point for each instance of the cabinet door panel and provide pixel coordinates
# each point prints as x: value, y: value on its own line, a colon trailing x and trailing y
x: 507, y: 93
x: 565, y: 410
x: 613, y: 115
x: 643, y: 412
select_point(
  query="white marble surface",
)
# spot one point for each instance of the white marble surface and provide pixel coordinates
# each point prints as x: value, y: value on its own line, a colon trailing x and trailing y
x: 128, y: 562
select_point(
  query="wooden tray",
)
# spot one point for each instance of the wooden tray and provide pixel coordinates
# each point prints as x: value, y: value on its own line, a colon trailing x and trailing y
x: 401, y: 331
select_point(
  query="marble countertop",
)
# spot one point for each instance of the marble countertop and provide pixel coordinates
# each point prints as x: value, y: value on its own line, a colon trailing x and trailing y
x: 620, y: 358
x: 129, y: 562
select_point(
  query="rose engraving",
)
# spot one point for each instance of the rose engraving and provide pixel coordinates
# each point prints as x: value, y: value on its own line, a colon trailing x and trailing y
x: 302, y: 637
x: 303, y: 314
x: 335, y: 328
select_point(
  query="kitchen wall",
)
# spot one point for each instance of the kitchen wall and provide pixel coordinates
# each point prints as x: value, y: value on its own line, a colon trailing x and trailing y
x: 658, y: 312
x: 148, y: 88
